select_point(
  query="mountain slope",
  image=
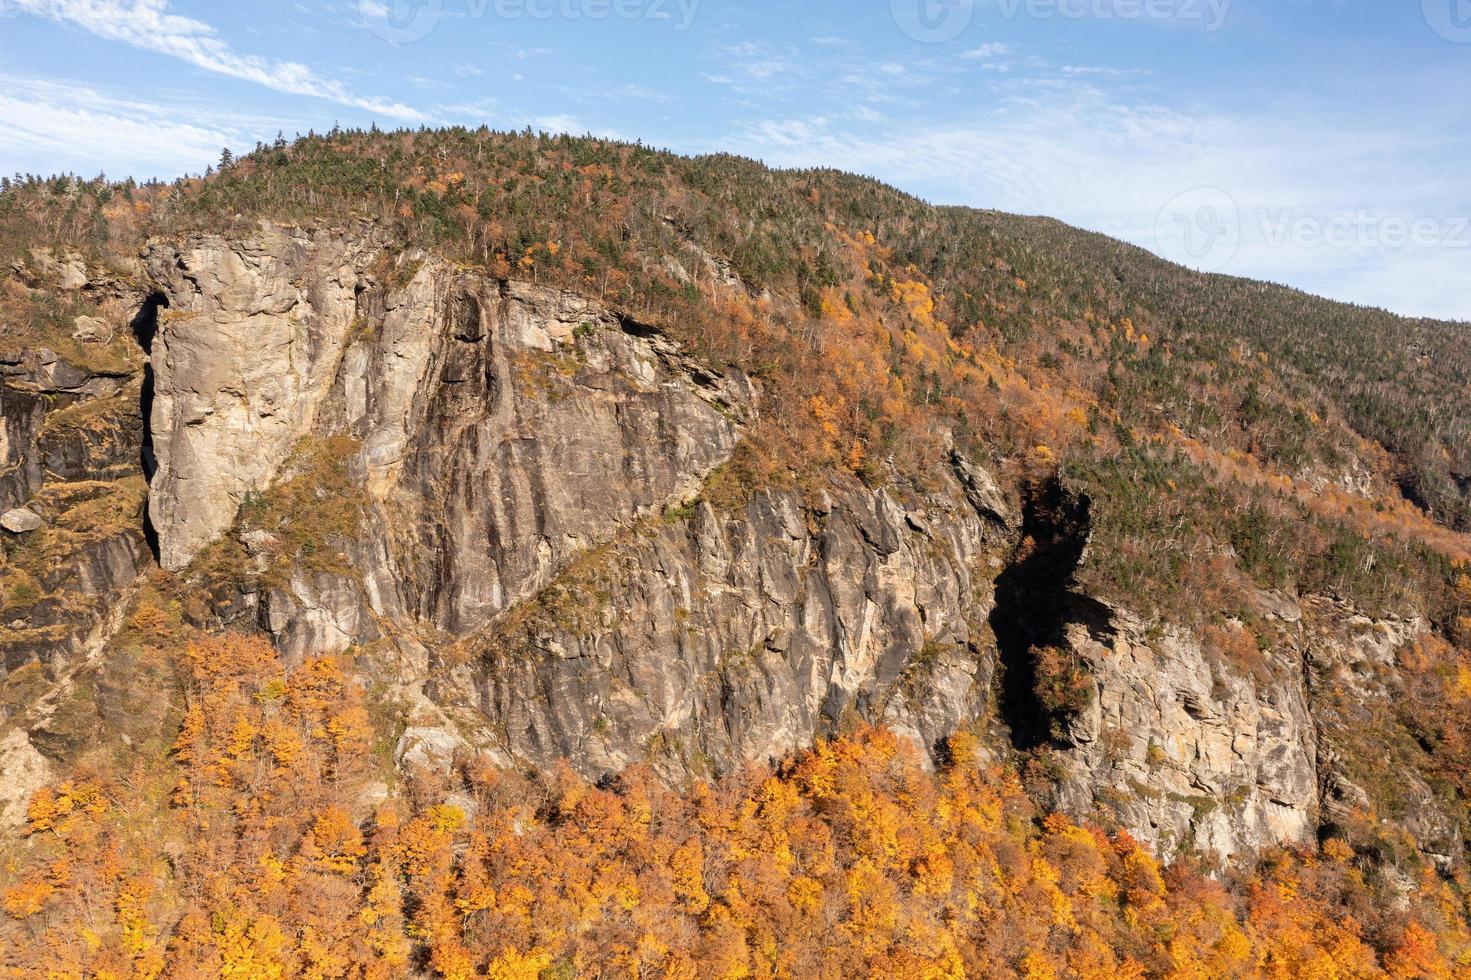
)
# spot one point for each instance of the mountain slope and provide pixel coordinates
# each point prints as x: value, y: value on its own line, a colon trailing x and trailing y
x: 580, y: 451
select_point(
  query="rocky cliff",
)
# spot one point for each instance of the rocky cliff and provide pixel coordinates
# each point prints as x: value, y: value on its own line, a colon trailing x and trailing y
x: 523, y: 510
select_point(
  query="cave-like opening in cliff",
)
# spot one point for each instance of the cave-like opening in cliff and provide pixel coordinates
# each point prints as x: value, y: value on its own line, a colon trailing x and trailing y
x: 1034, y: 603
x: 145, y: 329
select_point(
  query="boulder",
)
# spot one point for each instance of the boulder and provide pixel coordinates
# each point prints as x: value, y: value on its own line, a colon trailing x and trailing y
x: 92, y: 330
x: 21, y: 521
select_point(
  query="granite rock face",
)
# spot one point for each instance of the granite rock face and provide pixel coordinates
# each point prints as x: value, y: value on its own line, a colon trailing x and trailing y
x: 26, y: 771
x: 39, y: 385
x: 71, y: 498
x: 540, y: 571
x: 251, y: 338
x: 1372, y: 758
x: 70, y: 487
x: 525, y: 426
x: 506, y: 426
x: 740, y: 636
x: 1186, y: 752
x: 512, y: 438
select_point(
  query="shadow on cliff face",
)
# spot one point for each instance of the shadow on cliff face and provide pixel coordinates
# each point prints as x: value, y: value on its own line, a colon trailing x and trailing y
x: 145, y: 328
x: 1034, y: 603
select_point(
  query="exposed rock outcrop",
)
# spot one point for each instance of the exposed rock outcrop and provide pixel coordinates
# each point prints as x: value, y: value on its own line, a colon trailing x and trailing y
x: 538, y: 427
x: 251, y: 339
x: 507, y: 432
x: 504, y: 426
x: 731, y: 637
x: 70, y: 492
x: 522, y: 542
x: 26, y: 771
x: 1187, y: 752
x: 1372, y: 755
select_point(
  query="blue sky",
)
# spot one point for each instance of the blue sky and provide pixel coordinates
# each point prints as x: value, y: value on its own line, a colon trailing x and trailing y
x: 1321, y: 143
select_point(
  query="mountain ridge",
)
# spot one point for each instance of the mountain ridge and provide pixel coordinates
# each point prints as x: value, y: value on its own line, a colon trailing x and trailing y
x: 569, y: 450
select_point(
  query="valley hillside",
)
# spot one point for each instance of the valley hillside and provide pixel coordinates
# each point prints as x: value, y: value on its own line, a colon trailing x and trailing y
x: 473, y: 554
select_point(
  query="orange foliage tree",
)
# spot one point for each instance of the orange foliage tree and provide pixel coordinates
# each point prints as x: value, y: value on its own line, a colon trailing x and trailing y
x: 270, y: 858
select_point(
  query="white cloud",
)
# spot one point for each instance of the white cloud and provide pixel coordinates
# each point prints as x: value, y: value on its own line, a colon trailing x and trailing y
x: 759, y: 62
x: 559, y: 124
x: 1081, y: 71
x: 995, y: 56
x: 148, y: 24
x: 633, y: 90
x: 52, y: 126
x: 572, y: 126
x: 988, y: 52
x: 479, y: 111
x: 763, y: 70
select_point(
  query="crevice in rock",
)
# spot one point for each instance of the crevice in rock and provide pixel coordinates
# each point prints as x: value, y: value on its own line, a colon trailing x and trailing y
x: 1034, y: 603
x: 1409, y: 489
x: 145, y: 328
x: 467, y: 319
x: 634, y: 328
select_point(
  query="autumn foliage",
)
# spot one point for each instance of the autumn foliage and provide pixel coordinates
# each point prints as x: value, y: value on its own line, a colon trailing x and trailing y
x: 273, y: 857
x: 884, y: 332
x: 1223, y: 450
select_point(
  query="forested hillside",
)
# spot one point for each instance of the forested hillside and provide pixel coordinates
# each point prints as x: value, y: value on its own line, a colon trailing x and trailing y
x: 1009, y: 334
x: 236, y: 854
x: 497, y: 554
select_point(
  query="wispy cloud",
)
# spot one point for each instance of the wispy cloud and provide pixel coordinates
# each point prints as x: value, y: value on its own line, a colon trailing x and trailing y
x: 476, y: 112
x: 632, y: 90
x: 149, y: 25
x: 52, y: 126
x: 560, y: 124
x: 762, y: 64
x: 573, y: 126
x: 988, y: 52
x: 1094, y: 71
